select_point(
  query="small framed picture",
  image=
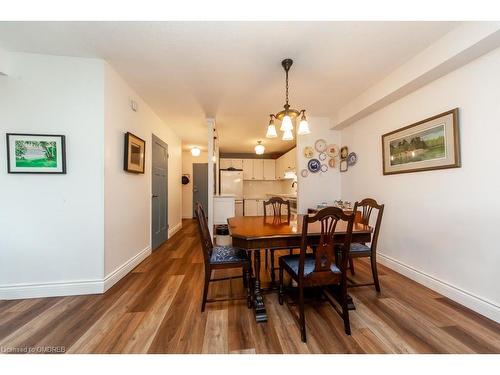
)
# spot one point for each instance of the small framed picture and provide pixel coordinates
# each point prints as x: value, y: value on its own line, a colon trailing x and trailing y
x: 344, y: 152
x: 343, y: 165
x: 135, y: 151
x: 36, y: 153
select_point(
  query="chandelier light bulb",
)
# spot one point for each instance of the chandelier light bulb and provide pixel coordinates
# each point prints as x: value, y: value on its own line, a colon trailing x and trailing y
x: 259, y: 149
x: 287, y: 135
x: 303, y: 126
x: 286, y: 124
x: 195, y: 151
x: 271, y: 129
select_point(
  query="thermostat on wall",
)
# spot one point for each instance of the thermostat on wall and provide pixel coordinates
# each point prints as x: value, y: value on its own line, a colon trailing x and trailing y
x: 133, y: 105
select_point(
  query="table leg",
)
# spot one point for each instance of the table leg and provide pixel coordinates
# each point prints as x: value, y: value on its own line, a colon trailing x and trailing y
x: 260, y: 309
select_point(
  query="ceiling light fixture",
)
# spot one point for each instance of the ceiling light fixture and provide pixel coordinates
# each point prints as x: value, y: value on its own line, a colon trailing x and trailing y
x: 259, y: 149
x: 287, y: 115
x: 195, y: 151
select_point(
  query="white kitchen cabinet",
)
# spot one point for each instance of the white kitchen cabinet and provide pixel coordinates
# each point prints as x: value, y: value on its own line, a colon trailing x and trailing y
x: 258, y: 169
x: 224, y: 163
x: 237, y: 163
x: 231, y: 163
x: 279, y: 168
x: 247, y: 169
x: 286, y: 162
x: 269, y: 170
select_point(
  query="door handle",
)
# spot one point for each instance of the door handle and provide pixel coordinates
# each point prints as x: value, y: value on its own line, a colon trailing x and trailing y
x: 155, y: 196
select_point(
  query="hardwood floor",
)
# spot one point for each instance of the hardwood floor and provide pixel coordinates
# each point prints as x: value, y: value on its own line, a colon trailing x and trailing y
x: 156, y: 309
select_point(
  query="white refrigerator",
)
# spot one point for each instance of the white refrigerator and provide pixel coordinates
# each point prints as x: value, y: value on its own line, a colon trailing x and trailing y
x: 231, y: 183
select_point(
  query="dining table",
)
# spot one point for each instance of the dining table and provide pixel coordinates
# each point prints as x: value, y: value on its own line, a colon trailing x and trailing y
x: 254, y: 233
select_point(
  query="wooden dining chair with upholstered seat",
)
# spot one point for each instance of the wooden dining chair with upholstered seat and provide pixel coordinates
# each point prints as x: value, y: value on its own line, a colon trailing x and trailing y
x: 361, y: 250
x: 321, y: 268
x: 220, y: 257
x: 278, y: 206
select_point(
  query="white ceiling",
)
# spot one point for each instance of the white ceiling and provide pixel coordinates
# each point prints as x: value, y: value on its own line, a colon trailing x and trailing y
x: 232, y: 71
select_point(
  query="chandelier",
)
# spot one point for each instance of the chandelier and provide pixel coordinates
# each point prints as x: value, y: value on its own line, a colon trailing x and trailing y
x: 287, y: 115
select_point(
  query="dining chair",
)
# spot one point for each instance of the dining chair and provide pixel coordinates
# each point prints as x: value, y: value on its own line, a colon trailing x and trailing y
x: 322, y: 268
x: 361, y: 250
x: 220, y: 257
x: 277, y: 204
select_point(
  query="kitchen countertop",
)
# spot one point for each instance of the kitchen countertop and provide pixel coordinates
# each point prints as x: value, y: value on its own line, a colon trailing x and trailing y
x: 289, y: 196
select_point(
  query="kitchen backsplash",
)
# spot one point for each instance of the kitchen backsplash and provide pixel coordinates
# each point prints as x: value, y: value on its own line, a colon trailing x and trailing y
x: 259, y: 189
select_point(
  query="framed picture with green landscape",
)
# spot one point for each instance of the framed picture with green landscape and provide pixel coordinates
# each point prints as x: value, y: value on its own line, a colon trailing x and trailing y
x: 36, y: 153
x: 433, y: 143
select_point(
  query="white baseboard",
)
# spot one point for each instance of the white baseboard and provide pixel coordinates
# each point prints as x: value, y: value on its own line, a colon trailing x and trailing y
x: 58, y: 289
x: 72, y: 288
x: 120, y: 272
x: 174, y: 230
x: 481, y: 305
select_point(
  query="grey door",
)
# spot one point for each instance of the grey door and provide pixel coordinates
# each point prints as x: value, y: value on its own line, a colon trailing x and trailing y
x: 200, y: 185
x: 159, y: 200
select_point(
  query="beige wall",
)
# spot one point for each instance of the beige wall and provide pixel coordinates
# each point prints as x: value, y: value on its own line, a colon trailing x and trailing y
x: 437, y: 225
x: 187, y: 190
x: 127, y: 195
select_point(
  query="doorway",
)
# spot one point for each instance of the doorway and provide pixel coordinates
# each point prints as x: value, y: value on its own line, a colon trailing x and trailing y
x: 200, y: 185
x: 159, y: 199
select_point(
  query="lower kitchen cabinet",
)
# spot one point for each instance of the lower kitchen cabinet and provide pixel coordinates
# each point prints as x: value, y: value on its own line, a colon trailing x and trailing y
x: 254, y: 207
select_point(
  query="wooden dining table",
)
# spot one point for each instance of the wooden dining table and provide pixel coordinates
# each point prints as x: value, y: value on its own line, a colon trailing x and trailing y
x: 253, y: 233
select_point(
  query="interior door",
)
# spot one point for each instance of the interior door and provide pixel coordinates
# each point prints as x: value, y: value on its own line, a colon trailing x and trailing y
x: 200, y: 185
x: 159, y: 200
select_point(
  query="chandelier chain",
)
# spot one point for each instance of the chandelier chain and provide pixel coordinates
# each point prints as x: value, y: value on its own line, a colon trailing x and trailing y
x: 286, y: 87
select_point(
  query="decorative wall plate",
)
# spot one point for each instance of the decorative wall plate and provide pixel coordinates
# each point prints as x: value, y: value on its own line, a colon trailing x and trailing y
x: 344, y: 152
x: 314, y: 165
x: 332, y: 163
x: 322, y: 156
x: 332, y: 150
x: 352, y: 159
x: 324, y: 167
x: 320, y: 145
x: 304, y: 172
x: 343, y: 165
x: 308, y: 152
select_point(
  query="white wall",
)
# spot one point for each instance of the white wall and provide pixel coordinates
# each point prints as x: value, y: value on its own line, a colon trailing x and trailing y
x: 187, y: 190
x: 316, y: 187
x: 51, y: 226
x: 128, y: 196
x: 439, y: 226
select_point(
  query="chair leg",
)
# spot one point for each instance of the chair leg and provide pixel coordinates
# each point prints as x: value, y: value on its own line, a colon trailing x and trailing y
x: 273, y: 276
x: 282, y: 289
x: 302, y: 315
x: 205, y: 290
x: 351, y: 265
x: 345, y: 310
x: 373, y: 261
x: 246, y: 278
x: 266, y: 262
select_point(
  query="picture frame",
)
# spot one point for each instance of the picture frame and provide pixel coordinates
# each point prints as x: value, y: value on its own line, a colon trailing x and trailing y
x: 36, y: 153
x: 343, y: 165
x: 344, y: 152
x: 135, y: 154
x: 430, y: 144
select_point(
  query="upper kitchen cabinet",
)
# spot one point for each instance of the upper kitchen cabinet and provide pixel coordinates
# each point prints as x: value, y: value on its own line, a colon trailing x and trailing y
x: 269, y: 169
x: 254, y: 169
x: 231, y: 163
x: 285, y: 163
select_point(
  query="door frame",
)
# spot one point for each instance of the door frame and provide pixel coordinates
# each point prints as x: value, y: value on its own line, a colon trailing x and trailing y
x: 157, y: 139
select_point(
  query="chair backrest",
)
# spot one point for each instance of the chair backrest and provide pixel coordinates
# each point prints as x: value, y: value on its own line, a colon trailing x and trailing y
x: 325, y: 255
x: 277, y: 204
x: 205, y: 237
x: 367, y: 205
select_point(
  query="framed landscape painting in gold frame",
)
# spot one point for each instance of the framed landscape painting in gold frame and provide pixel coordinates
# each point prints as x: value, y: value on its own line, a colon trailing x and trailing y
x: 135, y: 151
x: 430, y: 144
